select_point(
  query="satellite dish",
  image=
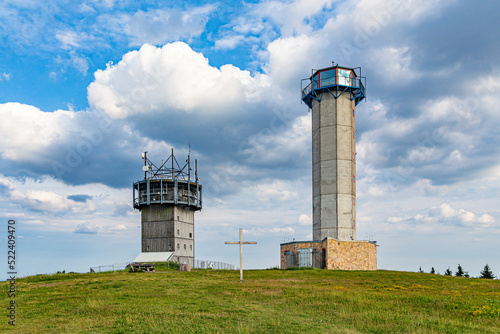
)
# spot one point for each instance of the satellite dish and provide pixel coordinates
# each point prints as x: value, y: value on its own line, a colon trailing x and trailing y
x: 145, y: 168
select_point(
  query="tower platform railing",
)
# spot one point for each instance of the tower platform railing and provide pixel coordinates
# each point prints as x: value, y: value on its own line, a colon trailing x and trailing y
x: 335, y: 82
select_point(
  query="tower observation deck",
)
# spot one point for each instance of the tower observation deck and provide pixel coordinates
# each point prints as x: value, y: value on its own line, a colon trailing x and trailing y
x: 167, y: 197
x: 332, y: 94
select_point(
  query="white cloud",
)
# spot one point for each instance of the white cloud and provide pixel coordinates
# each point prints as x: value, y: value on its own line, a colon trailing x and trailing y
x: 275, y: 190
x: 305, y: 220
x: 173, y: 77
x: 265, y: 231
x: 5, y: 76
x: 27, y: 133
x: 48, y: 202
x: 228, y: 43
x: 443, y: 217
x: 88, y: 228
x: 159, y: 26
x: 81, y: 63
x: 71, y: 39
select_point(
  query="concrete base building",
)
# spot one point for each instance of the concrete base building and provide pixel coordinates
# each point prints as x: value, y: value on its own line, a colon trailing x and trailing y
x: 332, y: 95
x: 330, y: 254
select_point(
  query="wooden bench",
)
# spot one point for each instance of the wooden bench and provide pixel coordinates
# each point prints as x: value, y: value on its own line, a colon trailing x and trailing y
x: 139, y: 266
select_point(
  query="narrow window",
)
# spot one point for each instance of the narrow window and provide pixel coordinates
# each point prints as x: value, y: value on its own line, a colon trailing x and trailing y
x: 184, y: 246
x: 190, y: 247
x: 178, y: 232
x: 178, y: 246
x: 190, y: 235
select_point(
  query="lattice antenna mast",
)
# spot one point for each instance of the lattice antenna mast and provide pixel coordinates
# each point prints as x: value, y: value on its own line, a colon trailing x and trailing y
x: 152, y: 171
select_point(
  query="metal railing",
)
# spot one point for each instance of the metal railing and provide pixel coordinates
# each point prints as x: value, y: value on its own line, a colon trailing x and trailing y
x: 109, y: 267
x: 215, y: 265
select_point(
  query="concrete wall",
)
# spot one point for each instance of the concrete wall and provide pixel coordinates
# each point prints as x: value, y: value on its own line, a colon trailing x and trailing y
x: 340, y: 255
x: 167, y: 228
x: 334, y: 167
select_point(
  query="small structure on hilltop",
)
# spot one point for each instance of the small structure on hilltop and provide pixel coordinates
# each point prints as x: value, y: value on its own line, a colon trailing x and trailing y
x: 332, y: 94
x: 167, y: 197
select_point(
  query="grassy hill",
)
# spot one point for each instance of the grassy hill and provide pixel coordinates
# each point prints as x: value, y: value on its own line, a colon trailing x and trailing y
x: 268, y: 301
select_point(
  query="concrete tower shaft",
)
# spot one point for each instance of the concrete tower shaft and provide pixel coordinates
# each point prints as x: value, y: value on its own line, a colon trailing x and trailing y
x: 332, y: 94
x: 334, y: 168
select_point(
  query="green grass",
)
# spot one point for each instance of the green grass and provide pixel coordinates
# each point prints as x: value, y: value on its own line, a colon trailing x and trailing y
x: 268, y: 301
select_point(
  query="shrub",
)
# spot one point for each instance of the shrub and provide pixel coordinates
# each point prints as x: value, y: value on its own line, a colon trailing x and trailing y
x: 460, y: 272
x: 486, y: 272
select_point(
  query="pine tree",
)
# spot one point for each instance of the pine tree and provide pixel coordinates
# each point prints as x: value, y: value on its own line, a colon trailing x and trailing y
x: 448, y: 272
x: 460, y: 271
x: 487, y: 273
x: 433, y: 271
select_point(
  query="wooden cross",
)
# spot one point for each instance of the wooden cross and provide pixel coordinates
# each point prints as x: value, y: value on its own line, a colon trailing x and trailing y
x: 241, y: 243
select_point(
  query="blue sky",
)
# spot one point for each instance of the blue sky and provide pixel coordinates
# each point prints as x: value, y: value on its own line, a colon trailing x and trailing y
x: 86, y: 87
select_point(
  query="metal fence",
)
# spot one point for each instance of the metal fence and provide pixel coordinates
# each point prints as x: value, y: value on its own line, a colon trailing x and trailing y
x: 216, y: 265
x: 198, y: 264
x: 109, y: 267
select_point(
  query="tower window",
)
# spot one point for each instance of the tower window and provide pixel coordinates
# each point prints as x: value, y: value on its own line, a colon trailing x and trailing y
x: 178, y: 232
x: 178, y: 218
x: 184, y: 246
x: 178, y: 246
x: 190, y: 235
x: 190, y: 247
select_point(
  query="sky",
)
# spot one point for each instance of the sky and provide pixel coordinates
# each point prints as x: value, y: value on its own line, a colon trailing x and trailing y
x: 86, y: 87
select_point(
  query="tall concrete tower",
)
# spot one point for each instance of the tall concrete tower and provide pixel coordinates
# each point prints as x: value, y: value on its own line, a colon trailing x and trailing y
x: 167, y: 198
x: 332, y: 94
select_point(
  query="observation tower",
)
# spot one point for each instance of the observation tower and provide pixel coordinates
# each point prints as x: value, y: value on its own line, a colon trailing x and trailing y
x: 167, y: 197
x: 332, y: 94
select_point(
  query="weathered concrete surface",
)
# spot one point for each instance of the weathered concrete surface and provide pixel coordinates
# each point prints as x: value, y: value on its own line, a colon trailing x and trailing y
x: 167, y: 228
x: 334, y: 167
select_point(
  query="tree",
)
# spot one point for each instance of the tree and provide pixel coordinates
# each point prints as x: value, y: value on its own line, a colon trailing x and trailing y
x: 487, y: 273
x: 460, y: 272
x: 448, y: 272
x: 433, y: 271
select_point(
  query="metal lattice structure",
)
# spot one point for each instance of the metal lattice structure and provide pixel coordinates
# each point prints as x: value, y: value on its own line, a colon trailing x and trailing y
x: 168, y: 184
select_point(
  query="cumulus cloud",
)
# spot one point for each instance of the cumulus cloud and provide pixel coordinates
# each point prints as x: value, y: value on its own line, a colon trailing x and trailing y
x: 40, y: 131
x: 173, y: 77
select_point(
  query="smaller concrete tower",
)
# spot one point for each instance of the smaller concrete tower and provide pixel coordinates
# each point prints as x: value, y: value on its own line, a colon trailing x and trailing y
x: 167, y: 198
